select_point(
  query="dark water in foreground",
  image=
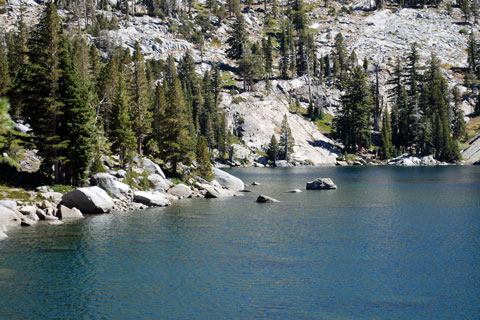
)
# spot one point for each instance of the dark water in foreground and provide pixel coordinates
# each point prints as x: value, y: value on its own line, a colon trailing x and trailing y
x: 390, y: 243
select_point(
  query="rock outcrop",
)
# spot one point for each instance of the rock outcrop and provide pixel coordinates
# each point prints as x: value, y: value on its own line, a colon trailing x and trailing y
x: 228, y: 181
x: 321, y: 184
x: 88, y: 200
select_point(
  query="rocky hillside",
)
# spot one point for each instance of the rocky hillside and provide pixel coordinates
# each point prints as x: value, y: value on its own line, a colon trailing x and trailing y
x: 379, y: 36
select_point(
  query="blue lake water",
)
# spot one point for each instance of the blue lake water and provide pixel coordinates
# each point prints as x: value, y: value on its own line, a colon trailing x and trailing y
x: 390, y: 243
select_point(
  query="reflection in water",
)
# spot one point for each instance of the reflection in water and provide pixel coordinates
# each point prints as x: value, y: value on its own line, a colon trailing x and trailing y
x: 396, y: 243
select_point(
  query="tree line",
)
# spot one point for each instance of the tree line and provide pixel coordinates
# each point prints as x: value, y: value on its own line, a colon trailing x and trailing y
x: 80, y: 105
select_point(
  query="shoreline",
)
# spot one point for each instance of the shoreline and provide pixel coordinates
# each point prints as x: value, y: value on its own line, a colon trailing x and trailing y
x: 52, y: 210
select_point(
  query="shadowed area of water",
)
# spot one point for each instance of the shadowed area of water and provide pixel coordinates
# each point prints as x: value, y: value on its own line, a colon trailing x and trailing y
x: 390, y: 243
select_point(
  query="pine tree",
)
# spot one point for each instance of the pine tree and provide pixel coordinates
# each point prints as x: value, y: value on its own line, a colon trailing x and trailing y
x: 77, y: 127
x: 203, y: 159
x: 122, y: 136
x: 36, y: 88
x: 458, y: 122
x: 4, y: 74
x: 273, y: 149
x: 286, y: 139
x: 268, y: 56
x: 140, y: 113
x: 237, y: 39
x: 176, y: 145
x: 284, y: 53
x: 386, y: 152
x: 476, y: 109
x: 352, y: 124
x: 17, y: 48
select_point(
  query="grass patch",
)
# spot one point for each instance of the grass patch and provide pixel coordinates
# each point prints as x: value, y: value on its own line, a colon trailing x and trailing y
x: 62, y: 188
x: 238, y: 100
x: 462, y: 145
x: 473, y: 127
x: 18, y: 195
x: 325, y: 125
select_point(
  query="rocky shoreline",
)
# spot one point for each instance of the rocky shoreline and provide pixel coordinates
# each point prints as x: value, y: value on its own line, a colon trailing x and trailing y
x: 108, y: 194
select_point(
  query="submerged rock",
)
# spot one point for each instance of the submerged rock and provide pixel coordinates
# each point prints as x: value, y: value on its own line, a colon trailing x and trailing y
x: 228, y: 181
x: 294, y: 191
x: 88, y: 200
x: 255, y: 183
x: 265, y: 199
x: 321, y: 184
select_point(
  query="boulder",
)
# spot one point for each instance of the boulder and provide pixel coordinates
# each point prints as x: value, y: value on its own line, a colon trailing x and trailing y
x: 180, y: 190
x: 228, y: 181
x: 281, y: 163
x: 8, y: 218
x: 294, y: 191
x: 44, y: 216
x: 123, y: 187
x: 67, y: 213
x: 151, y: 199
x: 27, y: 222
x: 157, y: 182
x: 264, y: 199
x: 107, y: 183
x: 33, y: 216
x: 10, y: 204
x: 213, y: 193
x: 45, y: 204
x: 26, y: 210
x: 88, y: 200
x: 152, y: 167
x: 321, y: 184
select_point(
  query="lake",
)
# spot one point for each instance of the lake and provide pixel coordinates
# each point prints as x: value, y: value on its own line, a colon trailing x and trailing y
x: 389, y: 243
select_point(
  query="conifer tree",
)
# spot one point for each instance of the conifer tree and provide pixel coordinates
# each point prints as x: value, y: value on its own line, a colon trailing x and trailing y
x: 386, y: 152
x: 37, y: 89
x: 122, y: 136
x: 353, y: 121
x: 237, y: 39
x: 273, y: 149
x: 286, y: 139
x: 4, y: 74
x: 476, y: 108
x: 284, y: 53
x: 140, y: 113
x: 176, y: 145
x: 458, y: 122
x: 77, y: 125
x: 203, y: 159
x: 17, y: 48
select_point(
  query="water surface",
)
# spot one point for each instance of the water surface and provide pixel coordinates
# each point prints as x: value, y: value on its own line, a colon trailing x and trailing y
x: 390, y: 243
